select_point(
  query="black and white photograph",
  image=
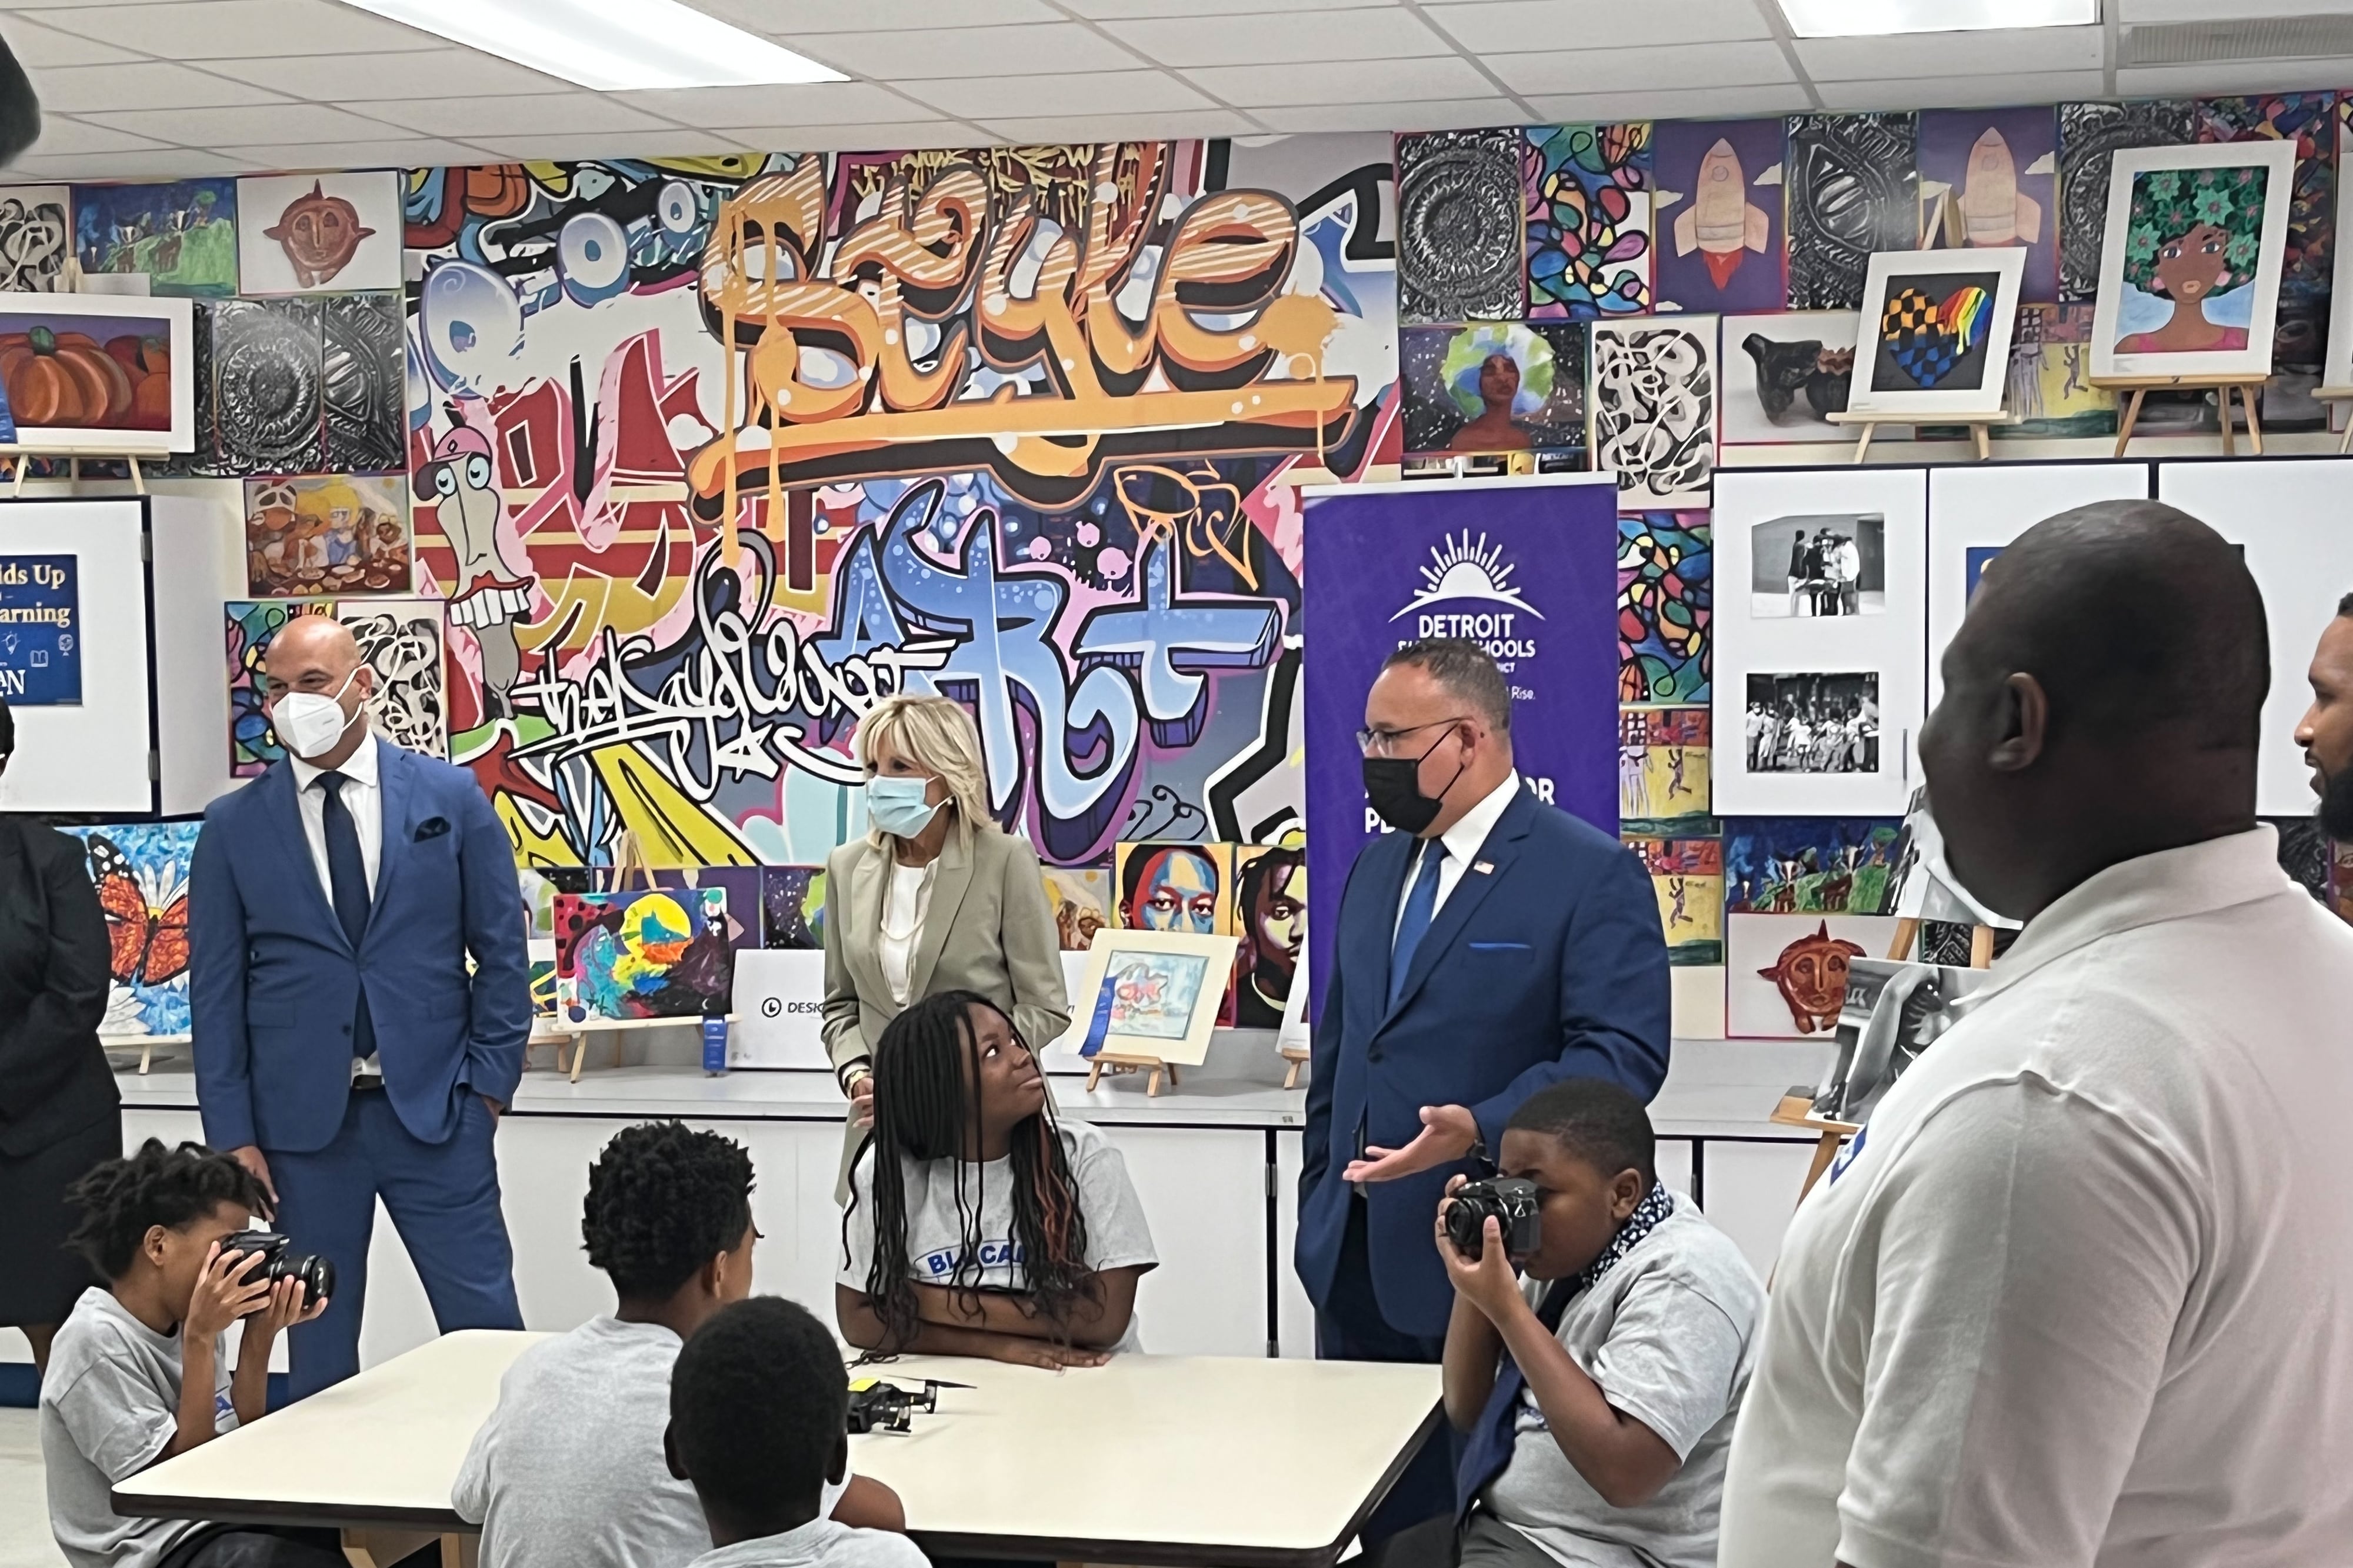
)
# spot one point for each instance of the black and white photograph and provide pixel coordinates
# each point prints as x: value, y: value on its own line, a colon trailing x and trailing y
x: 1812, y: 723
x: 1818, y: 565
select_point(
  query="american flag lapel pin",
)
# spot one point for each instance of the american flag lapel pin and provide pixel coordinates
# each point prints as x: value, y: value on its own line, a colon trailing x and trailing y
x: 1484, y: 867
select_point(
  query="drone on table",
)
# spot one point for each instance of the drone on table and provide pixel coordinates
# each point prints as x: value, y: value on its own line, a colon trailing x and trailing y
x: 879, y: 1406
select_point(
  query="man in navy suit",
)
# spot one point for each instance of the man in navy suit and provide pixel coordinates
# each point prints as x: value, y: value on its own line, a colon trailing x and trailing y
x: 1489, y: 946
x: 344, y: 1052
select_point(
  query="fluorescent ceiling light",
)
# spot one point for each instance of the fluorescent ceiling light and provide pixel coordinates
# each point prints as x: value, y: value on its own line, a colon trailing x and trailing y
x: 613, y: 45
x: 1859, y: 18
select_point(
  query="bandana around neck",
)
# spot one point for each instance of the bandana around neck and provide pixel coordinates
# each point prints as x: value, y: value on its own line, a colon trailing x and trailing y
x: 1656, y: 1205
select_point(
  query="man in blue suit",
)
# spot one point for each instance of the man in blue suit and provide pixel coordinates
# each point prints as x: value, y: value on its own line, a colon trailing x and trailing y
x: 344, y: 1052
x: 1489, y: 946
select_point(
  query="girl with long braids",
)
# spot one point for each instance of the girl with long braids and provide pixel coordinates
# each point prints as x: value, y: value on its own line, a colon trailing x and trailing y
x: 978, y: 1224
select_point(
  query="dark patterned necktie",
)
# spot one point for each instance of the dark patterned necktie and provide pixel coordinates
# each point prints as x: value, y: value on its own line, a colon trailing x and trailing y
x: 347, y: 879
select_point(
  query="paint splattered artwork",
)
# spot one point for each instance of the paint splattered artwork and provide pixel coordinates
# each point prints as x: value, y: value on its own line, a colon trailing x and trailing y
x: 1687, y: 875
x: 1809, y: 865
x: 792, y: 906
x: 1853, y: 189
x: 1588, y: 219
x: 1458, y: 245
x: 1662, y: 764
x: 655, y: 954
x: 1654, y: 409
x: 141, y: 872
x: 1665, y: 562
x: 1494, y: 388
x: 2090, y: 136
x: 1718, y: 214
x: 342, y: 534
x: 182, y: 235
x: 36, y: 237
x: 399, y: 640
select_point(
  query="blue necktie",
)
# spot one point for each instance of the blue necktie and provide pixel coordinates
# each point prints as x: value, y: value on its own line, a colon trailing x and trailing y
x: 1413, y: 924
x: 347, y: 879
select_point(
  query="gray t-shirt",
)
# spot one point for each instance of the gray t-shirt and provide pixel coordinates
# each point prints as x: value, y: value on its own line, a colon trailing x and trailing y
x: 568, y: 1471
x: 821, y: 1542
x: 1117, y: 1237
x: 109, y: 1407
x: 1669, y: 1334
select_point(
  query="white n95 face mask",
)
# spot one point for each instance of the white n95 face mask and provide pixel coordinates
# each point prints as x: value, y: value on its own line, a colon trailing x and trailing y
x: 310, y: 722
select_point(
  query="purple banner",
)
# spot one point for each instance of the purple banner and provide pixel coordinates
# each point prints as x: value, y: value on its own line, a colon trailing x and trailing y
x: 1528, y: 567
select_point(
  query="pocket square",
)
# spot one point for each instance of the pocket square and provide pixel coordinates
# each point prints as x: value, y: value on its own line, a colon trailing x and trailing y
x: 431, y: 827
x: 1500, y: 947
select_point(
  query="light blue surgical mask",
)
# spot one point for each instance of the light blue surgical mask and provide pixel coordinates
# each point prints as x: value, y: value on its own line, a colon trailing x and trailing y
x: 897, y: 806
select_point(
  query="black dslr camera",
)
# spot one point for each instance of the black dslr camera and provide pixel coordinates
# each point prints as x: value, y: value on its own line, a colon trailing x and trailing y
x: 1510, y: 1201
x: 318, y: 1275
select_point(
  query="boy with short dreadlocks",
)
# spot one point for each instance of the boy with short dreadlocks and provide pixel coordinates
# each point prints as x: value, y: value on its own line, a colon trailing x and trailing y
x: 979, y: 1225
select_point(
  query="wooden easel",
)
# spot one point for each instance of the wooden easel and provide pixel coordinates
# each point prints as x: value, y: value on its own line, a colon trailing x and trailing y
x: 1118, y: 1062
x: 16, y: 455
x: 2332, y: 396
x: 2140, y: 386
x: 1297, y: 1059
x: 1978, y: 424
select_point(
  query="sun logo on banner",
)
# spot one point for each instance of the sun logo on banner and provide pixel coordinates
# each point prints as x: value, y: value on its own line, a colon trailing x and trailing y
x: 1459, y: 568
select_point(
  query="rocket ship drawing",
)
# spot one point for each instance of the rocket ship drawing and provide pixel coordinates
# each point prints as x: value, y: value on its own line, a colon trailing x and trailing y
x: 1720, y: 221
x: 1993, y: 211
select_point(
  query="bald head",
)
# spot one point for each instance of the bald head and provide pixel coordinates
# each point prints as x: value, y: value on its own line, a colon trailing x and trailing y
x: 2103, y: 699
x: 309, y: 641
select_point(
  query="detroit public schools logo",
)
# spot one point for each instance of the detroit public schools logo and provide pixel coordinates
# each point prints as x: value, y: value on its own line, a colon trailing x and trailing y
x: 1459, y: 570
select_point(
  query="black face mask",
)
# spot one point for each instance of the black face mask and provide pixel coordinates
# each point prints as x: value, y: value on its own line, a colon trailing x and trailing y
x: 1393, y: 786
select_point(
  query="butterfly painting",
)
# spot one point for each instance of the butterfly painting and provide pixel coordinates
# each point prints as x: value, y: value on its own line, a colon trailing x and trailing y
x: 141, y: 872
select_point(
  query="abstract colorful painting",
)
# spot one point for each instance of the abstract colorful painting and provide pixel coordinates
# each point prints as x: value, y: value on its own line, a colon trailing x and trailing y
x: 2308, y: 120
x: 1989, y: 179
x: 1175, y: 888
x: 1809, y: 865
x: 1459, y: 209
x: 1654, y: 409
x: 316, y: 234
x: 2189, y: 276
x: 399, y: 640
x: 36, y: 237
x: 1687, y: 874
x: 2090, y: 134
x: 1663, y: 766
x: 182, y: 235
x: 1082, y: 901
x: 1152, y: 993
x: 1853, y: 189
x: 342, y: 534
x: 1717, y: 215
x: 643, y: 954
x: 141, y: 872
x: 1666, y: 562
x: 1940, y: 325
x: 792, y: 906
x: 1494, y: 388
x: 1588, y: 219
x: 1784, y: 373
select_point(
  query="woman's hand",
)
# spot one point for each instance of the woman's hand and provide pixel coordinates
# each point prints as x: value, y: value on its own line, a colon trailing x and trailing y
x: 861, y: 1101
x: 1043, y: 1352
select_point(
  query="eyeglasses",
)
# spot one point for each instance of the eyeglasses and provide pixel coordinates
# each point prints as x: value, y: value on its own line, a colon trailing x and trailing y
x: 1369, y: 740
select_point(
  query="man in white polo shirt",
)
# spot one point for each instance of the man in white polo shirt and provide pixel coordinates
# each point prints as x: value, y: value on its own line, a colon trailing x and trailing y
x: 2082, y: 1292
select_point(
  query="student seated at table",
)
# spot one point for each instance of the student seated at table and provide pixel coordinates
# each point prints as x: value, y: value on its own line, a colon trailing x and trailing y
x: 568, y: 1470
x: 1598, y: 1397
x: 137, y: 1374
x: 978, y: 1224
x: 759, y: 1426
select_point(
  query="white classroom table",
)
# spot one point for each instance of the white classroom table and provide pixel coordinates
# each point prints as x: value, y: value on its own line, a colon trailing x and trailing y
x: 1152, y: 1460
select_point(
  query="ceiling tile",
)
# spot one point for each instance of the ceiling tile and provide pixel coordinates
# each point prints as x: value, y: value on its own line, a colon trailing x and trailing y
x: 1347, y: 81
x: 1121, y: 127
x: 278, y: 125
x: 37, y: 48
x: 60, y: 134
x: 866, y: 137
x: 1438, y: 114
x: 922, y: 53
x: 616, y: 144
x: 1992, y: 92
x: 2131, y: 11
x: 1921, y: 56
x: 1386, y: 33
x: 1113, y: 10
x: 818, y: 104
x: 1717, y: 104
x: 1630, y: 70
x: 1107, y: 93
x: 142, y: 84
x: 161, y: 163
x: 231, y: 30
x: 1493, y: 26
x: 408, y: 152
x: 775, y: 16
x: 537, y: 114
x: 417, y: 73
x: 74, y: 5
x: 2234, y: 77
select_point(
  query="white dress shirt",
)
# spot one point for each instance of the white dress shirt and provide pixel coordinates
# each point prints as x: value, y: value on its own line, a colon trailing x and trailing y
x: 906, y: 902
x: 1463, y: 841
x: 363, y: 796
x: 2081, y: 1293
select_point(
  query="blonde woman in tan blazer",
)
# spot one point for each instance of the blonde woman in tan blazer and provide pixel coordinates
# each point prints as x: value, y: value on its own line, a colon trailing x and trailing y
x: 934, y: 898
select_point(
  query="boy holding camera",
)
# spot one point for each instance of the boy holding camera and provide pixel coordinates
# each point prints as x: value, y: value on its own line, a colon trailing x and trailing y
x: 1597, y: 1395
x: 137, y: 1373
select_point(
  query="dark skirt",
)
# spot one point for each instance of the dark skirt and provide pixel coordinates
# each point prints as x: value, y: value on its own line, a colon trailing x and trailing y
x: 41, y: 1279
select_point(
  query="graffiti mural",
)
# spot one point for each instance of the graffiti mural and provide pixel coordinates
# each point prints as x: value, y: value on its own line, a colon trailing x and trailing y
x: 713, y: 454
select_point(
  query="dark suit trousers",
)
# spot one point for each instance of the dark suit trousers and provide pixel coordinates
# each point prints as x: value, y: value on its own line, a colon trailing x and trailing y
x: 444, y: 1201
x: 1349, y: 1327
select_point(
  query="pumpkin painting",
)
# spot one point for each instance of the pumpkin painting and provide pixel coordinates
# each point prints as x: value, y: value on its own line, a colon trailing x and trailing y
x: 59, y: 376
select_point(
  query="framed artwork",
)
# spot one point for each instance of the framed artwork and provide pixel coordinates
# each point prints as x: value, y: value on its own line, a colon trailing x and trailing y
x: 1941, y: 323
x: 1687, y: 875
x: 180, y: 234
x: 1819, y: 621
x: 1152, y: 993
x: 1588, y: 220
x: 1185, y: 888
x: 1717, y: 236
x: 647, y: 953
x: 36, y: 237
x: 1973, y: 512
x: 2090, y: 136
x: 1493, y: 386
x: 1810, y: 864
x: 1989, y: 179
x: 342, y: 534
x: 1783, y: 372
x: 100, y: 372
x: 1852, y: 184
x: 1654, y: 409
x: 1271, y: 921
x: 1786, y: 976
x: 1460, y: 255
x: 1662, y: 770
x: 400, y: 640
x: 140, y: 872
x: 2189, y: 272
x: 316, y: 234
x: 1665, y: 567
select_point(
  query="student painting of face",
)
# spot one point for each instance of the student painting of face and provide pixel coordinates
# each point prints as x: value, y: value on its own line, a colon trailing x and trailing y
x: 2194, y: 240
x: 1173, y: 887
x: 1271, y: 896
